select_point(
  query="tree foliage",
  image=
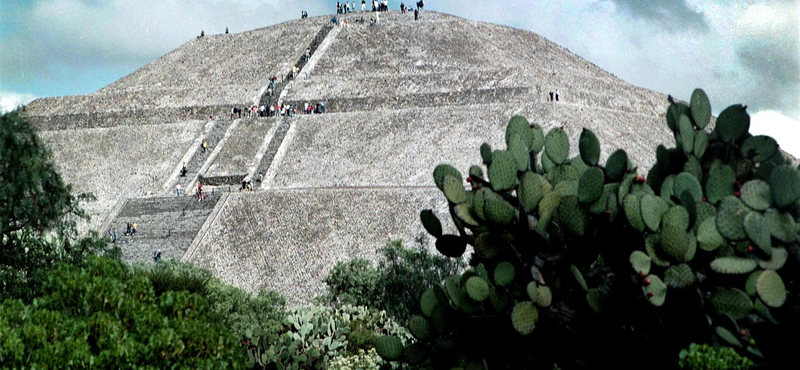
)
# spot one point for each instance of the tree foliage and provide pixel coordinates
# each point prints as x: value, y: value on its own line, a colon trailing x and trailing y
x: 395, y: 285
x: 38, y: 212
x: 101, y: 316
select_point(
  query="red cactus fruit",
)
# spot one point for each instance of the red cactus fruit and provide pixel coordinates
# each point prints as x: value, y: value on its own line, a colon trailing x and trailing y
x: 641, y: 273
x: 749, y: 249
x: 743, y: 332
x: 737, y: 194
x: 650, y: 294
x: 469, y: 179
x: 646, y: 281
x: 705, y: 199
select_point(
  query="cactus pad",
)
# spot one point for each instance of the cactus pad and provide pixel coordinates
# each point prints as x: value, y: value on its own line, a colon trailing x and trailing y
x: 486, y: 153
x: 578, y: 277
x: 708, y: 237
x: 732, y: 123
x: 674, y: 112
x: 532, y: 188
x: 452, y: 246
x: 547, y: 206
x: 419, y: 327
x: 686, y: 181
x: 764, y: 311
x: 520, y: 127
x: 674, y: 239
x: 701, y: 139
x: 590, y: 185
x: 544, y: 296
x: 503, y: 171
x: 750, y: 284
x: 617, y: 165
x: 464, y: 213
x: 431, y: 223
x: 730, y: 223
x: 758, y: 231
x: 733, y: 265
x: 524, y: 317
x: 589, y: 147
x: 597, y: 300
x: 781, y: 225
x: 567, y: 188
x: 651, y: 245
x: 500, y: 212
x: 573, y: 217
x: 533, y: 291
x: 653, y: 209
x: 556, y: 145
x: 477, y: 288
x: 631, y: 205
x: 758, y: 148
x: 441, y: 171
x: 693, y: 167
x: 700, y: 108
x: 454, y: 190
x: 389, y: 347
x: 720, y: 182
x: 504, y: 273
x: 732, y: 301
x: 756, y: 195
x: 784, y: 183
x: 679, y: 276
x: 428, y: 302
x: 640, y: 262
x: 771, y: 289
x: 779, y: 258
x: 475, y: 171
x: 537, y: 143
x: 656, y: 292
x: 519, y: 150
x: 686, y: 133
x: 727, y: 336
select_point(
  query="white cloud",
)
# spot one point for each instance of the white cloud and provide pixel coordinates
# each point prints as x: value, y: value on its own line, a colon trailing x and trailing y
x: 10, y: 100
x: 785, y: 130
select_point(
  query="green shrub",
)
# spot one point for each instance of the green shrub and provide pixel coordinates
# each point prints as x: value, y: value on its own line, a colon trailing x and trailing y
x: 705, y: 357
x: 100, y: 316
x: 402, y: 275
x: 173, y: 275
x: 240, y: 310
x: 235, y: 308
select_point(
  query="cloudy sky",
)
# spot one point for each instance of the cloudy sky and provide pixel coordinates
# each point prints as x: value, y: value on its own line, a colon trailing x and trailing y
x: 738, y: 51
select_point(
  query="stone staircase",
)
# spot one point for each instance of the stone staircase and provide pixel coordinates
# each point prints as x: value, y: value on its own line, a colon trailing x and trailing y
x: 272, y: 150
x: 199, y: 158
x: 166, y: 223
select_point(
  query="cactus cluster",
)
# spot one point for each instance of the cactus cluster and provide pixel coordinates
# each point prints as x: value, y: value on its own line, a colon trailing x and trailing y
x: 309, y: 338
x: 716, y: 214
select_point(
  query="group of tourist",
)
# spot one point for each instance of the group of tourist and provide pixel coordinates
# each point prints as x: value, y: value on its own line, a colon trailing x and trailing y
x: 377, y: 6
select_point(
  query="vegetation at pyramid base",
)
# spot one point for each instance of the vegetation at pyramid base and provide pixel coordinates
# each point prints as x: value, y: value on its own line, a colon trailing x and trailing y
x: 703, y: 249
x: 101, y: 316
x: 394, y: 286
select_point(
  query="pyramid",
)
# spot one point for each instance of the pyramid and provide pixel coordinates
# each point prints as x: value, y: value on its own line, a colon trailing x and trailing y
x: 400, y: 96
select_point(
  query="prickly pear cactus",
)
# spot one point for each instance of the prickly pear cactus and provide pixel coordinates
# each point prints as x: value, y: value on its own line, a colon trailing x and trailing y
x: 552, y: 238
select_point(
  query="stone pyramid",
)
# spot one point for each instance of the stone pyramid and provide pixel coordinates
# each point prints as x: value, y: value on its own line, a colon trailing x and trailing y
x: 400, y: 96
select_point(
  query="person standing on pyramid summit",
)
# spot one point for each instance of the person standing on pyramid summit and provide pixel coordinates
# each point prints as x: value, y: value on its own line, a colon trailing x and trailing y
x: 363, y: 5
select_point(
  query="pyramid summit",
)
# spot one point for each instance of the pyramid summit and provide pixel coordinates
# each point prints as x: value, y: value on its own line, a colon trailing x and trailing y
x: 400, y: 97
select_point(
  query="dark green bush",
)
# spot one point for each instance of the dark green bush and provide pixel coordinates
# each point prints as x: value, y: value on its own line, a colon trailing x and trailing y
x: 100, y: 316
x: 402, y: 275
